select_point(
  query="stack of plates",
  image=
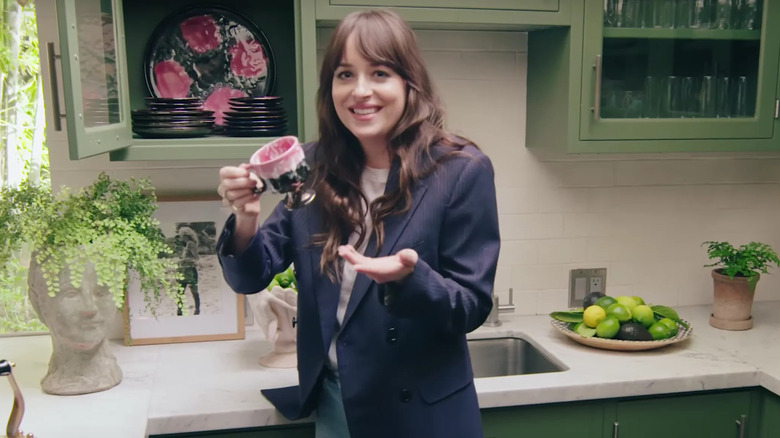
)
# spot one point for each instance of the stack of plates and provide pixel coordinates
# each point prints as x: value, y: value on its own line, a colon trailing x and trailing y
x: 172, y: 118
x: 256, y: 117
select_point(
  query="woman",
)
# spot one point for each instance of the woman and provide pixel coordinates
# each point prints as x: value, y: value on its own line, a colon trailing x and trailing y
x: 395, y: 257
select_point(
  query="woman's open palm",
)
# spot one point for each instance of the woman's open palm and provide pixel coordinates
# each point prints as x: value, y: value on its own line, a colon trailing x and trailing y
x: 381, y: 269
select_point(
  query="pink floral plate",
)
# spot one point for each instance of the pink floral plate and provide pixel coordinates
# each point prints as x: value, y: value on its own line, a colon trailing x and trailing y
x: 212, y: 54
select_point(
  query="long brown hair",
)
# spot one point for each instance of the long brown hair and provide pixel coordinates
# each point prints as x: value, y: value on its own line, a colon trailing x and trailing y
x: 384, y: 38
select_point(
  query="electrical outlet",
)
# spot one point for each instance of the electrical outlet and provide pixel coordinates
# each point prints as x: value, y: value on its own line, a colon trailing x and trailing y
x: 595, y: 284
x: 585, y: 281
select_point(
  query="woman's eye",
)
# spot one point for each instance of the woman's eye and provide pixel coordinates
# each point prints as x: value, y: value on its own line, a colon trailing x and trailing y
x: 382, y: 74
x: 344, y: 75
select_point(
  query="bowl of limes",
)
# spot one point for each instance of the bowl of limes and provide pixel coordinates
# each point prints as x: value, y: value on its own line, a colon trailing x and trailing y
x: 623, y: 323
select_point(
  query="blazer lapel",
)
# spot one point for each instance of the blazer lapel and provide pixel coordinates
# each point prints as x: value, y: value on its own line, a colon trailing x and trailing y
x: 394, y: 226
x: 326, y: 297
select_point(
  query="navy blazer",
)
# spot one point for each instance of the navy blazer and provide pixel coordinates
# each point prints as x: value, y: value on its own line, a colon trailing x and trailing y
x: 402, y: 354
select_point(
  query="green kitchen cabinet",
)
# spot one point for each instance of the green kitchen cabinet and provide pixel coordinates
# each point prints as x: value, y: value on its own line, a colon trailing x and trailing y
x: 770, y: 415
x: 721, y: 414
x: 560, y: 420
x: 101, y: 54
x: 302, y: 431
x: 459, y: 14
x: 611, y: 83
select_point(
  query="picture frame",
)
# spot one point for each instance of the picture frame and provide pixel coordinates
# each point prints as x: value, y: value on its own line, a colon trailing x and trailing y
x: 214, y: 312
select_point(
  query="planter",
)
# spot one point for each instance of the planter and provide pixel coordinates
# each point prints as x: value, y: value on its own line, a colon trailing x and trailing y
x: 275, y: 312
x: 732, y: 301
x: 79, y: 320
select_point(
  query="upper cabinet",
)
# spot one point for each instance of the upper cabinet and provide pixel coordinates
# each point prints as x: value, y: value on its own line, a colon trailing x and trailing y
x: 103, y: 56
x: 660, y: 75
x: 94, y: 77
x: 459, y: 14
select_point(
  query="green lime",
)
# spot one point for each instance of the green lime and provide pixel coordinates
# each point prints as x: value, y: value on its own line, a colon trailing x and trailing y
x: 638, y: 300
x: 643, y: 314
x: 593, y: 315
x: 671, y: 325
x: 605, y: 302
x: 619, y: 311
x: 629, y: 302
x: 608, y: 328
x: 659, y: 331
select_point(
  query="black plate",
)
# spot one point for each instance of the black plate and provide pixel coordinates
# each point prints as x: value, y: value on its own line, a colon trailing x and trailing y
x: 235, y: 132
x: 254, y: 125
x: 187, y: 132
x: 258, y: 110
x: 183, y: 112
x: 175, y: 124
x: 157, y: 118
x: 209, y: 53
x: 255, y: 115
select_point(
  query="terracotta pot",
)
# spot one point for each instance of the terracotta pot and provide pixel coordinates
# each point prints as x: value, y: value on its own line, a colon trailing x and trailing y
x: 732, y: 301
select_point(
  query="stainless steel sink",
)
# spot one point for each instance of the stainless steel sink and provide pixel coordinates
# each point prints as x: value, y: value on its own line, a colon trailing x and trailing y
x: 509, y: 356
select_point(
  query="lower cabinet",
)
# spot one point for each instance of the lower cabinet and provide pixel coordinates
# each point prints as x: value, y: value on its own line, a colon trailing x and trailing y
x: 770, y: 415
x: 716, y: 414
x: 561, y: 420
x: 741, y: 413
x: 298, y: 431
x: 722, y: 414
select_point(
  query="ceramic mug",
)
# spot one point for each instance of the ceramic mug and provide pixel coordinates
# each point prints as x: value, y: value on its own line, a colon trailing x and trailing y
x: 282, y: 166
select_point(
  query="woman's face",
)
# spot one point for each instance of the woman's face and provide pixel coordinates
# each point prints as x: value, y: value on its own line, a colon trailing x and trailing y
x: 369, y: 98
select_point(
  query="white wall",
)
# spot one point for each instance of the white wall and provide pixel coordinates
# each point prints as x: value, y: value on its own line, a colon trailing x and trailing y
x: 641, y: 216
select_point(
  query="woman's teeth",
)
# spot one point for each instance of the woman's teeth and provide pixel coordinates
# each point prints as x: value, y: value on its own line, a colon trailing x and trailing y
x: 364, y: 111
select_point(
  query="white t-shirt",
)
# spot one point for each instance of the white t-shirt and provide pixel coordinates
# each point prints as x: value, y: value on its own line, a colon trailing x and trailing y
x: 372, y: 183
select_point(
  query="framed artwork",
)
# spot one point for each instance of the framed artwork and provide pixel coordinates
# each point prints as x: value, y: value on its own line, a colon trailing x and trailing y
x: 211, y: 311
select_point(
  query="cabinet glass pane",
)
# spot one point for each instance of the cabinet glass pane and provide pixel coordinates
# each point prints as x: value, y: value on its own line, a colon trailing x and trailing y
x: 97, y: 62
x: 680, y: 59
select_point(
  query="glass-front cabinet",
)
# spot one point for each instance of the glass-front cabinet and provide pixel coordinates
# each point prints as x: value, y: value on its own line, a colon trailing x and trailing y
x: 657, y: 76
x: 682, y: 69
x: 95, y: 88
x: 236, y: 48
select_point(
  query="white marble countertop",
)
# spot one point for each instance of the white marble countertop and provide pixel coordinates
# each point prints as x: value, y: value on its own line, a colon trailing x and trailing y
x: 216, y: 385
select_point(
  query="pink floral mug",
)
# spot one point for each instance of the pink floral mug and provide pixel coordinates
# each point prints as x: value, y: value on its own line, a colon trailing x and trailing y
x: 282, y: 166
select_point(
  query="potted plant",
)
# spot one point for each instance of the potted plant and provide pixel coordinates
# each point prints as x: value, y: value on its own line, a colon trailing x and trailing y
x: 735, y: 277
x: 82, y: 246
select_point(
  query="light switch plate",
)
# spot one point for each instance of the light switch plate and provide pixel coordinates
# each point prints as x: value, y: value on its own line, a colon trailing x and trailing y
x: 585, y: 281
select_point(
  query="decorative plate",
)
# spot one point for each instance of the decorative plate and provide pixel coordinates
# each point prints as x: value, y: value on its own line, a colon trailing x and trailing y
x: 212, y: 54
x: 619, y: 344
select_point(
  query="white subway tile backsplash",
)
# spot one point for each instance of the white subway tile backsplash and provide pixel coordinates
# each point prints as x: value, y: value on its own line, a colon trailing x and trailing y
x: 518, y: 252
x: 530, y: 226
x: 552, y: 251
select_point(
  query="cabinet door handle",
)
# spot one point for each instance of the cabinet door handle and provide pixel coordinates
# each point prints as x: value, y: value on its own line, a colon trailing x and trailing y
x: 55, y: 89
x: 741, y: 426
x: 615, y: 426
x: 596, y: 108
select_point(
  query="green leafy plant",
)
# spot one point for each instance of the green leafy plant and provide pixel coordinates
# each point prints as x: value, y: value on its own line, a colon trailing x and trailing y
x: 110, y: 223
x: 746, y: 261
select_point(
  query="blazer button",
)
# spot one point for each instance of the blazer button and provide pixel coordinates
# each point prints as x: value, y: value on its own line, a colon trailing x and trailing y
x: 392, y: 335
x: 406, y: 395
